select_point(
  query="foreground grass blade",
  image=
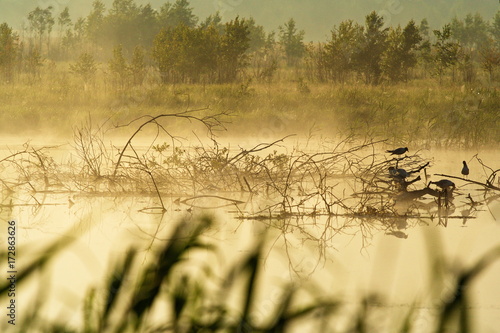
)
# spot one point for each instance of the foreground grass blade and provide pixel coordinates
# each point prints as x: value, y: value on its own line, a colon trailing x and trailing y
x: 40, y: 261
x: 183, y: 238
x: 458, y: 303
x: 115, y: 287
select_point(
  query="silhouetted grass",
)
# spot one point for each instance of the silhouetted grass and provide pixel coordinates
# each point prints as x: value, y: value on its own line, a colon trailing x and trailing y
x: 127, y: 298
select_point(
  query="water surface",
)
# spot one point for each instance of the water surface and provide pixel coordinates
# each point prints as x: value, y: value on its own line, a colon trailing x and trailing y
x: 343, y: 256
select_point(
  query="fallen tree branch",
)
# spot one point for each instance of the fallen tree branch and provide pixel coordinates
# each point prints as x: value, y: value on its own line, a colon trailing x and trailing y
x: 210, y: 122
x: 259, y: 147
x: 487, y: 184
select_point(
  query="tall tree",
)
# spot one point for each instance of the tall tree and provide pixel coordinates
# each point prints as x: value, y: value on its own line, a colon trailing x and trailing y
x: 121, y: 24
x: 200, y: 54
x: 342, y: 51
x: 392, y: 59
x: 214, y: 20
x: 495, y: 28
x: 118, y: 67
x: 147, y: 20
x: 400, y: 55
x: 256, y: 34
x: 490, y: 58
x: 122, y: 7
x: 234, y: 43
x: 95, y: 22
x: 138, y: 66
x: 411, y: 42
x: 447, y: 51
x: 375, y: 39
x: 50, y: 25
x: 424, y: 29
x: 292, y: 41
x: 178, y: 13
x: 64, y: 21
x: 85, y: 68
x: 185, y: 54
x: 79, y: 29
x: 41, y: 22
x: 163, y: 15
x: 8, y: 51
x: 472, y: 32
x: 424, y: 51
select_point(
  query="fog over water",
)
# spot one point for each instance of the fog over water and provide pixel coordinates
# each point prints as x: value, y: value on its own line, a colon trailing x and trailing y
x: 360, y: 259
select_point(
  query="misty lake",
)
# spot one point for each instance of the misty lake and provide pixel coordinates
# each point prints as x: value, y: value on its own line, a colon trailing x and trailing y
x: 243, y: 166
x: 384, y: 259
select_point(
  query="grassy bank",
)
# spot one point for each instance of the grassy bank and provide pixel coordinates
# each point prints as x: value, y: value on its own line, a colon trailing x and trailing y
x: 421, y: 111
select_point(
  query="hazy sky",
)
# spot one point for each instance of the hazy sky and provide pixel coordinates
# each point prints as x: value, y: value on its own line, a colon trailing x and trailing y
x: 316, y: 17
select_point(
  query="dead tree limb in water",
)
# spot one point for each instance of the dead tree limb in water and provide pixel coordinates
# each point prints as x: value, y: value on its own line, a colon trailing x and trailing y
x: 144, y: 167
x: 259, y: 147
x: 211, y: 122
x: 488, y: 183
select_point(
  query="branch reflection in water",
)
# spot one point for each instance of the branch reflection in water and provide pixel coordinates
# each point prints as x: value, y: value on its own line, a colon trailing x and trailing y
x: 301, y: 206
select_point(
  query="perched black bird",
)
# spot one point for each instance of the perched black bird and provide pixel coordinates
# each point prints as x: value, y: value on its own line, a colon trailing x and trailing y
x: 444, y: 184
x: 465, y: 169
x: 398, y: 151
x: 400, y: 173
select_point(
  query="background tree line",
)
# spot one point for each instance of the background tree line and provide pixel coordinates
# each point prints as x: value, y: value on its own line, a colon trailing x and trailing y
x: 132, y: 38
x: 375, y: 52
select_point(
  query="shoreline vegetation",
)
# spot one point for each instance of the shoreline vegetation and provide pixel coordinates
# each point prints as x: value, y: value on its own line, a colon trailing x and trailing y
x: 434, y: 87
x: 421, y: 112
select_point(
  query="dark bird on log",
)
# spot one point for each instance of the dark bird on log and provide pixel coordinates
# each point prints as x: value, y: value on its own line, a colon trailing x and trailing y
x: 398, y: 151
x: 399, y: 173
x: 465, y: 169
x: 444, y: 184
